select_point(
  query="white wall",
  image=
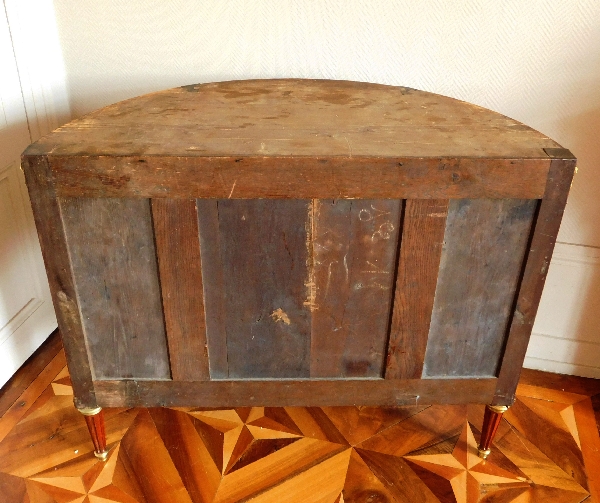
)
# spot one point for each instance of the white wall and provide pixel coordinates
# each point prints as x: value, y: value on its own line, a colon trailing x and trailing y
x: 537, y: 61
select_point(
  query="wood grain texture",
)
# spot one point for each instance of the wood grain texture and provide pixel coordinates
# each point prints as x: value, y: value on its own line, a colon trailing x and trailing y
x: 546, y: 228
x: 423, y: 228
x: 213, y: 283
x: 263, y: 256
x: 178, y: 251
x: 353, y: 255
x: 297, y: 118
x: 291, y: 392
x: 51, y: 233
x: 114, y: 266
x: 28, y: 372
x: 484, y: 243
x: 304, y: 177
x: 546, y: 451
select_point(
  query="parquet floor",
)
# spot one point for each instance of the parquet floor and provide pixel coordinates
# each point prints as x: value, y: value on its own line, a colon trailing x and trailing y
x: 547, y: 450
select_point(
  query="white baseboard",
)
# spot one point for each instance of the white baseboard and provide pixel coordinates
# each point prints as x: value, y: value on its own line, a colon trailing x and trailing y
x: 566, y: 334
x: 24, y: 340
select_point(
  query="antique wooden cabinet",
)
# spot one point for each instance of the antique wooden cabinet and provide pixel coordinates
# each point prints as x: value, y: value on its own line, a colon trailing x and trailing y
x: 296, y: 242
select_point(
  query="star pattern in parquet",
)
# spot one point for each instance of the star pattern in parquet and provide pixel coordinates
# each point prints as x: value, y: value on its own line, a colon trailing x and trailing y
x: 544, y: 451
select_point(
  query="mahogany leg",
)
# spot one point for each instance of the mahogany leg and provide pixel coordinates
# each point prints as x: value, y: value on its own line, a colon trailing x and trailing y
x: 94, y: 419
x: 491, y: 421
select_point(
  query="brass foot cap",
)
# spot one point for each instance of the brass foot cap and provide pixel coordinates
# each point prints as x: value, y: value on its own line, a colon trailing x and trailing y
x: 483, y: 453
x: 102, y: 456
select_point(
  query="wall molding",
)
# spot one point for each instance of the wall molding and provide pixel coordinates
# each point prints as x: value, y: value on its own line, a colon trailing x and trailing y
x: 566, y: 334
x: 39, y: 58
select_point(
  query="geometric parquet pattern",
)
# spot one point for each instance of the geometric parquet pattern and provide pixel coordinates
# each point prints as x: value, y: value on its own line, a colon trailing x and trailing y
x: 547, y: 450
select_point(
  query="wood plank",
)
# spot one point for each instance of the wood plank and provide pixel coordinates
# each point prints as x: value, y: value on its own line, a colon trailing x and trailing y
x: 50, y: 229
x: 300, y: 177
x: 353, y: 255
x: 298, y: 118
x: 114, y: 265
x: 531, y: 284
x: 214, y: 288
x: 423, y: 228
x: 485, y: 242
x: 178, y: 251
x: 289, y: 392
x: 263, y: 245
x: 23, y: 377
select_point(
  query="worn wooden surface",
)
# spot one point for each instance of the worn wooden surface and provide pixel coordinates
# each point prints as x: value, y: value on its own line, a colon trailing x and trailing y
x: 294, y: 281
x: 293, y: 392
x: 314, y: 118
x: 113, y: 258
x: 178, y: 252
x: 265, y: 319
x: 484, y: 246
x: 296, y: 138
x: 353, y: 252
x: 532, y: 281
x: 422, y: 239
x: 50, y: 228
x: 299, y: 177
x: 213, y: 282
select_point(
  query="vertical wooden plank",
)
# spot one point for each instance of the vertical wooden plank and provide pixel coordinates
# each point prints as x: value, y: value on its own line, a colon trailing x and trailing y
x: 50, y: 228
x: 484, y: 247
x: 263, y: 248
x: 178, y: 252
x: 354, y: 245
x: 537, y: 262
x: 424, y: 224
x: 111, y: 246
x: 214, y: 288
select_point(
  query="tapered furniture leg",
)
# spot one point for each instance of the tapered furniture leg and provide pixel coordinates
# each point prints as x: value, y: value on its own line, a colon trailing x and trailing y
x: 94, y: 419
x: 491, y: 421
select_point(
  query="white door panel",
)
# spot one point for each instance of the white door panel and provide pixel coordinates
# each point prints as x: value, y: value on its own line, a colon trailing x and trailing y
x: 26, y: 313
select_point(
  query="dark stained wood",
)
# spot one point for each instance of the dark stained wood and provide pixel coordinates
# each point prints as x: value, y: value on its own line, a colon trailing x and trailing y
x: 352, y: 263
x: 213, y: 282
x: 50, y: 229
x: 178, y: 253
x: 531, y: 285
x: 293, y: 117
x: 264, y: 258
x: 291, y: 392
x: 113, y: 258
x: 342, y: 177
x: 27, y: 373
x: 424, y: 223
x: 484, y: 247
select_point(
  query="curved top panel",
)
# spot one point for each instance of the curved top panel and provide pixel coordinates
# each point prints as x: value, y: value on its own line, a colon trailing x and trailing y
x: 291, y: 117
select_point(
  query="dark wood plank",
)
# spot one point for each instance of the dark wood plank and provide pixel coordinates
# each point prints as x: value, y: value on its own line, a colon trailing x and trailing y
x: 295, y: 117
x: 531, y: 285
x: 178, y: 252
x: 27, y: 373
x: 50, y: 229
x: 288, y: 392
x: 352, y: 265
x: 424, y: 223
x: 111, y: 245
x: 263, y: 246
x: 484, y: 247
x: 342, y: 177
x: 214, y: 288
